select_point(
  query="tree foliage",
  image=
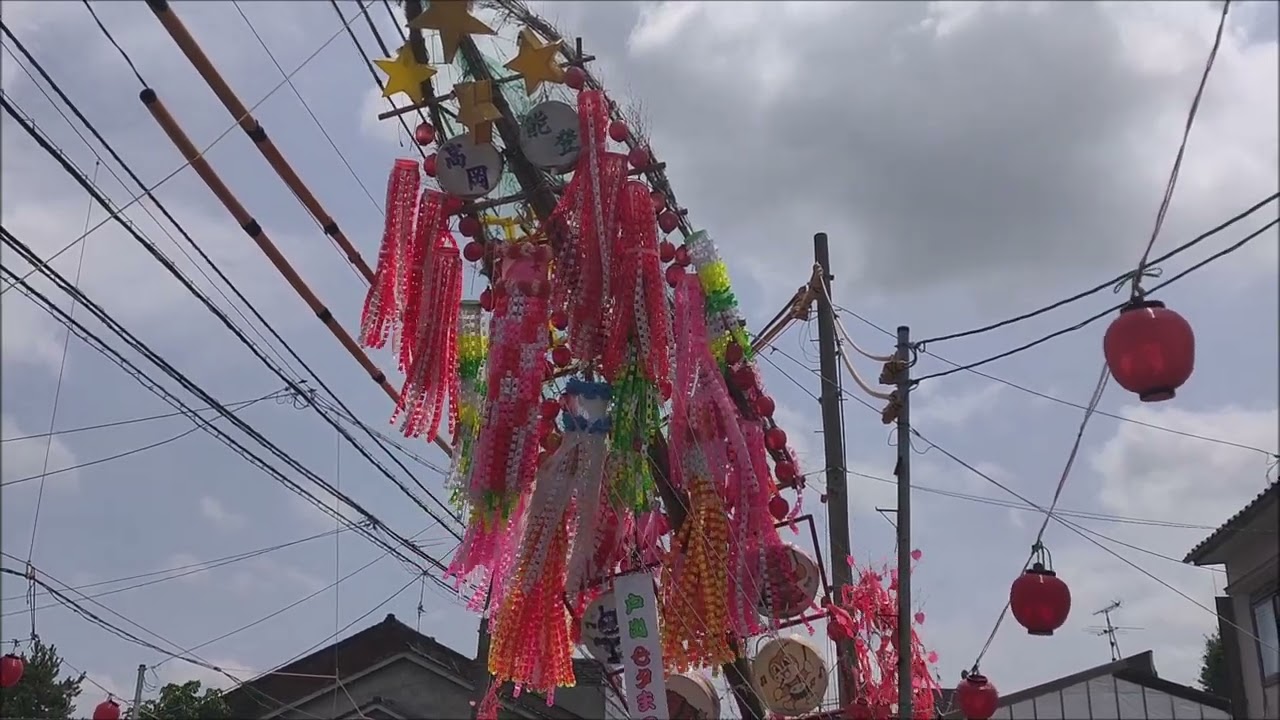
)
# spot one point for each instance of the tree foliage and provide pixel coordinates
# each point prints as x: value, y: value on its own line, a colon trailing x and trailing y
x: 1213, y: 667
x: 42, y: 692
x: 185, y: 701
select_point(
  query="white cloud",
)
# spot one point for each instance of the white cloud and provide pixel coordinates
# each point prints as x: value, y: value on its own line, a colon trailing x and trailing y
x: 26, y: 458
x: 960, y: 408
x: 212, y: 510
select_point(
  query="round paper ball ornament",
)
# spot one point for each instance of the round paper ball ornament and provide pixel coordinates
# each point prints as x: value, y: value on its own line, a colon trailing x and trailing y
x: 775, y: 438
x: 424, y: 134
x: 668, y: 221
x: 561, y: 356
x: 1150, y: 350
x: 779, y: 507
x: 473, y: 251
x: 618, y: 131
x: 429, y: 165
x: 659, y: 199
x: 486, y: 299
x: 11, y: 668
x: 575, y: 77
x: 639, y: 157
x: 666, y: 251
x: 674, y: 273
x: 977, y: 697
x: 107, y: 710
x: 469, y: 226
x: 765, y: 406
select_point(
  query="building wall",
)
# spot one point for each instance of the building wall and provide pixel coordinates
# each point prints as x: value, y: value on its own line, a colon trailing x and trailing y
x: 1251, y: 564
x: 1108, y: 698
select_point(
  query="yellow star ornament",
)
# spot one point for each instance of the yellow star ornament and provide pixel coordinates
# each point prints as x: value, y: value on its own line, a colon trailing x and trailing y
x: 453, y: 20
x: 536, y: 61
x: 405, y: 75
x: 476, y: 109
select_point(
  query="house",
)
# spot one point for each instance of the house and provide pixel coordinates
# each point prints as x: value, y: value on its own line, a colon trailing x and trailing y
x: 1248, y: 544
x: 390, y: 671
x: 1127, y: 689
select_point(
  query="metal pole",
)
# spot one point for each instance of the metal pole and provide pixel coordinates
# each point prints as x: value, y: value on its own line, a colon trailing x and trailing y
x: 833, y: 444
x: 905, y: 688
x: 135, y: 711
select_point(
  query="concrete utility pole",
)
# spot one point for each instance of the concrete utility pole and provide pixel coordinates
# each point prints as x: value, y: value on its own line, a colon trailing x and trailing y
x: 833, y: 445
x: 135, y: 710
x: 905, y: 687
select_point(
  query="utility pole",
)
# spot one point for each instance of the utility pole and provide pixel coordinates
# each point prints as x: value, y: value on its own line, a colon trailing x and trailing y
x: 833, y: 445
x: 135, y: 710
x: 905, y: 686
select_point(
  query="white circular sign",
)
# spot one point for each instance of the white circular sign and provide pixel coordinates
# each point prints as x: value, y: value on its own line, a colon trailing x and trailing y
x: 601, y: 635
x: 691, y: 697
x: 790, y: 676
x: 549, y: 136
x: 788, y: 580
x: 467, y: 170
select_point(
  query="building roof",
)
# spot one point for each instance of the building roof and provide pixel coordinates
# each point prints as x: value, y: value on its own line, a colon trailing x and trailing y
x: 1233, y: 524
x: 1139, y: 669
x: 314, y: 673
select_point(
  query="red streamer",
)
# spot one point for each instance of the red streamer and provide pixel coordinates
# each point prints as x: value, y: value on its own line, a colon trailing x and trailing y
x: 384, y: 303
x: 432, y: 378
x: 639, y: 302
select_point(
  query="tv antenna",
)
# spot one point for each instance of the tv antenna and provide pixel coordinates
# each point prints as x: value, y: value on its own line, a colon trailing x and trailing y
x: 1109, y: 630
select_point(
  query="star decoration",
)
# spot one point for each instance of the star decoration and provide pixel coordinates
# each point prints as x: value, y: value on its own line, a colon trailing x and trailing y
x: 453, y: 20
x: 405, y: 75
x: 536, y: 61
x: 476, y: 109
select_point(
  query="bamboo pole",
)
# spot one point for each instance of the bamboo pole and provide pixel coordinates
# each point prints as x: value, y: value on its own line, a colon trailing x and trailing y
x: 206, y: 172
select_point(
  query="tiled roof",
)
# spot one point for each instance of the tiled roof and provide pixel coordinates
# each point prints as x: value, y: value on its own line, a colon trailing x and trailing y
x: 1235, y: 522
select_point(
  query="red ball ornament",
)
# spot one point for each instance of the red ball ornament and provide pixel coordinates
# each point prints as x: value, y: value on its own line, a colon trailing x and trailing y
x: 674, y: 273
x: 1040, y: 601
x: 666, y: 251
x: 486, y: 299
x: 785, y: 471
x: 559, y: 320
x: 1150, y: 350
x: 668, y: 221
x: 682, y: 256
x: 429, y: 165
x: 575, y: 77
x: 561, y: 356
x: 107, y: 710
x: 469, y: 226
x: 424, y: 134
x: 743, y: 378
x: 659, y: 199
x: 11, y: 667
x: 639, y: 157
x: 549, y: 409
x: 473, y: 251
x: 618, y: 131
x: 765, y: 406
x: 779, y: 507
x: 977, y: 697
x: 452, y: 204
x: 733, y: 353
x: 775, y: 438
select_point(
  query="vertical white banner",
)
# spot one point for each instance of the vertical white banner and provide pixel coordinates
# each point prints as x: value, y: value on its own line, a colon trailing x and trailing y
x: 641, y: 646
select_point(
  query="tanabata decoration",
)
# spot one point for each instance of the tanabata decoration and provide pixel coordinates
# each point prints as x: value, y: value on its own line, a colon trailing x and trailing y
x: 473, y: 346
x: 432, y: 379
x: 405, y: 75
x: 535, y: 60
x: 453, y: 20
x: 385, y: 302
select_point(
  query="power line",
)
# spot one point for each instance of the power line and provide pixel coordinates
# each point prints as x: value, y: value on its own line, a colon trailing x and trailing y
x: 920, y: 345
x: 231, y: 326
x: 126, y: 453
x: 133, y: 421
x: 1089, y: 321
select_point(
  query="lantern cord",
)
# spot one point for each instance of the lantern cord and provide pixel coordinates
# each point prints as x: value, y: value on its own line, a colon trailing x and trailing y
x: 1119, y: 279
x: 1094, y: 318
x: 1078, y: 531
x: 1135, y: 290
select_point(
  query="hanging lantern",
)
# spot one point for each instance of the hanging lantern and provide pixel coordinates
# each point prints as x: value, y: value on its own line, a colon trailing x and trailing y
x: 424, y: 134
x: 977, y: 697
x: 107, y: 710
x: 11, y: 667
x: 779, y: 507
x: 1150, y: 350
x: 1040, y: 601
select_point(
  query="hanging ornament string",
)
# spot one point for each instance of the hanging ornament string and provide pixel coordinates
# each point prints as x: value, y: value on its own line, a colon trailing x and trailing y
x: 383, y: 304
x: 432, y: 380
x: 639, y: 305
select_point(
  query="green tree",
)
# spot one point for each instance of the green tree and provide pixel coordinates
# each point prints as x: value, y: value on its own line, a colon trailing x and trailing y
x: 40, y: 693
x: 186, y: 701
x: 1213, y: 667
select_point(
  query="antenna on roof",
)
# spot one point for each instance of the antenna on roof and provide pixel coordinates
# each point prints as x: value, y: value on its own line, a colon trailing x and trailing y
x: 1109, y: 630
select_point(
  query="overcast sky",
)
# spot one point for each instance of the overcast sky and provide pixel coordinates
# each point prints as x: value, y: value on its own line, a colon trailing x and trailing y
x: 969, y: 162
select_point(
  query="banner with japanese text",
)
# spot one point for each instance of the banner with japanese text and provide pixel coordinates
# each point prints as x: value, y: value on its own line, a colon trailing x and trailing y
x: 641, y: 646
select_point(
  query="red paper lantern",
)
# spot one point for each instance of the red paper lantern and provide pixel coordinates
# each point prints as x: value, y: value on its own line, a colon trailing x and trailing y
x: 666, y: 251
x: 559, y: 320
x: 486, y: 299
x: 674, y: 273
x: 682, y: 256
x: 561, y: 356
x: 424, y: 134
x: 618, y: 131
x: 977, y: 697
x: 775, y: 438
x: 469, y: 226
x: 779, y: 507
x: 1150, y: 350
x: 638, y: 157
x: 659, y: 200
x: 1040, y: 601
x: 765, y: 406
x: 473, y: 251
x: 429, y: 165
x: 107, y: 710
x: 11, y: 667
x: 575, y: 77
x: 785, y: 471
x: 549, y: 409
x: 668, y: 221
